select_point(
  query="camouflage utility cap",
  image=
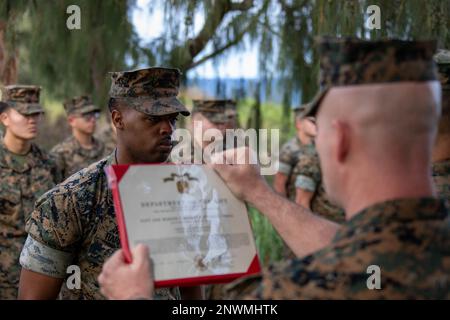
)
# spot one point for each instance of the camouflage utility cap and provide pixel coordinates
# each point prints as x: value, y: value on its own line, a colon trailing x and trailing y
x: 80, y: 105
x: 24, y: 99
x: 349, y: 61
x: 3, y: 106
x: 217, y: 111
x: 442, y: 59
x: 300, y: 111
x: 152, y: 91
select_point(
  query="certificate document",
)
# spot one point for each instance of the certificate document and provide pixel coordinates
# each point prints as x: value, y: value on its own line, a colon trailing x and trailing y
x: 198, y: 232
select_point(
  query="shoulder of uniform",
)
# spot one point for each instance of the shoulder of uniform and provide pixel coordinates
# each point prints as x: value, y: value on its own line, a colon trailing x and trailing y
x: 63, y: 146
x: 81, y: 181
x: 99, y: 142
x: 41, y: 154
x: 2, y: 152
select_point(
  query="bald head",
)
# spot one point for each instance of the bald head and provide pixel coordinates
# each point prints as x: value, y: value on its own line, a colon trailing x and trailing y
x: 380, y: 129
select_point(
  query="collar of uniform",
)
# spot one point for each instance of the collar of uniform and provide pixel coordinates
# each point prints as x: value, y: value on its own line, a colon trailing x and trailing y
x: 400, y: 210
x: 7, y: 159
x: 301, y: 144
x: 95, y: 151
x: 111, y: 159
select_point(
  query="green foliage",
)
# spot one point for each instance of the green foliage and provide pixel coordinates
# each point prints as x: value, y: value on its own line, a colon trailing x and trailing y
x: 272, y: 115
x: 72, y: 62
x: 268, y: 243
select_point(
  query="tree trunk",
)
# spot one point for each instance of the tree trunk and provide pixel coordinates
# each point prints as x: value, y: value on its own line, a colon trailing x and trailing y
x: 8, y: 58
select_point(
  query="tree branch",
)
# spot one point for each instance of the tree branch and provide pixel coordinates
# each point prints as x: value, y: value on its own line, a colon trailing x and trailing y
x: 231, y: 43
x: 241, y: 6
x: 217, y: 13
x: 218, y: 51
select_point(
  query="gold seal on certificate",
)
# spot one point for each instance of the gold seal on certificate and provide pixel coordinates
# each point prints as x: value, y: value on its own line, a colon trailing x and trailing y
x: 198, y: 232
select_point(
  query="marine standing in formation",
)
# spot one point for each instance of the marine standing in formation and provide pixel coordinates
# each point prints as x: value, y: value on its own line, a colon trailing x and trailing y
x: 80, y: 149
x: 26, y: 173
x: 211, y: 114
x: 303, y: 142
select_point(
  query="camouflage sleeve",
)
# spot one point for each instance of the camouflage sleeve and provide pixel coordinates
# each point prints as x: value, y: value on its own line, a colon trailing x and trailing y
x: 286, y: 280
x: 55, y: 228
x: 285, y: 160
x: 307, y: 173
x: 42, y: 259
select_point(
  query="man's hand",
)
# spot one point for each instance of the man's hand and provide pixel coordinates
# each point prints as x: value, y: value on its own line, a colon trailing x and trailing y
x: 303, y: 231
x: 243, y: 179
x: 122, y: 281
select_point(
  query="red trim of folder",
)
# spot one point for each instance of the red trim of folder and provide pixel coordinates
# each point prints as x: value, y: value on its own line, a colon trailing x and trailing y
x: 115, y: 174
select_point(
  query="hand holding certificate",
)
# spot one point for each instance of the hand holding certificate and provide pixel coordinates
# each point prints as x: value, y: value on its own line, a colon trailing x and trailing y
x: 197, y: 230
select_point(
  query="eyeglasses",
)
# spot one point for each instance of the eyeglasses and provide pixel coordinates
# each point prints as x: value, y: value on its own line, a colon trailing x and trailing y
x: 91, y: 115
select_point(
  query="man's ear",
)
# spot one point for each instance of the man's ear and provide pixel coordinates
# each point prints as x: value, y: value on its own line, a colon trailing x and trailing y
x: 342, y: 147
x: 70, y: 119
x: 4, y: 118
x: 298, y: 123
x: 117, y: 119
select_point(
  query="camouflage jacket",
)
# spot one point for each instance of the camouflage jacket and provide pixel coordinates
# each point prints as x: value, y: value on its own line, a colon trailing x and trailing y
x: 22, y: 180
x: 106, y: 136
x: 288, y: 156
x: 409, y: 240
x: 21, y: 184
x: 75, y: 224
x: 307, y: 175
x: 71, y: 157
x: 441, y: 177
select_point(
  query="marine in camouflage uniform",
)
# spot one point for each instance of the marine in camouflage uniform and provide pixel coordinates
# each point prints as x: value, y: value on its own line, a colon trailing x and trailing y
x: 23, y: 179
x: 441, y: 168
x: 287, y: 160
x: 289, y: 156
x: 308, y: 176
x: 223, y: 115
x: 75, y: 223
x: 408, y: 239
x: 108, y: 137
x: 69, y: 154
x: 219, y: 112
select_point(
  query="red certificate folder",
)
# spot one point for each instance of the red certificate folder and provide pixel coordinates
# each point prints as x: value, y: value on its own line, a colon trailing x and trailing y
x: 137, y: 175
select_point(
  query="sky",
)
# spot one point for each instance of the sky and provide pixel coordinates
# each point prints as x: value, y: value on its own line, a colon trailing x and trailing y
x: 149, y: 25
